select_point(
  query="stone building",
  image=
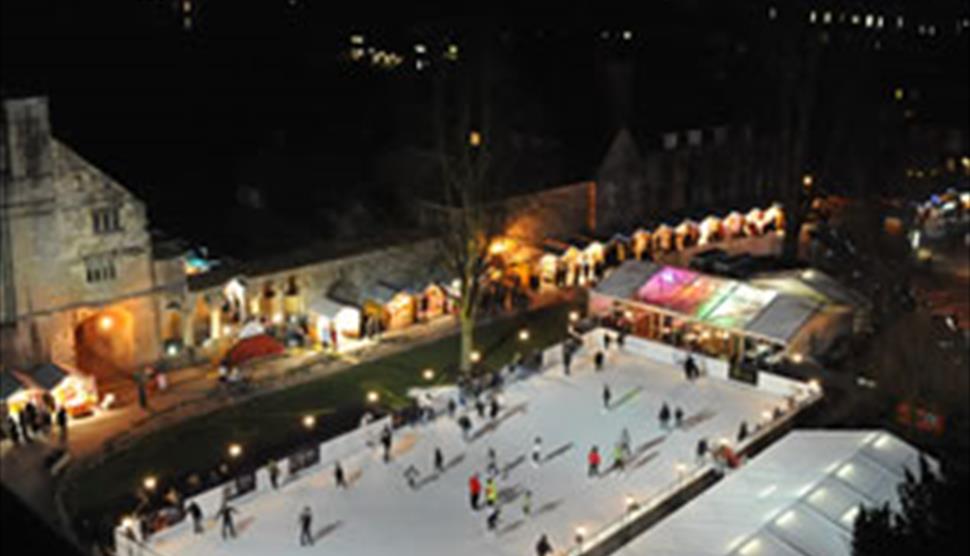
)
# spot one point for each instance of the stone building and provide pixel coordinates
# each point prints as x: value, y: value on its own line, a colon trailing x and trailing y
x: 78, y: 281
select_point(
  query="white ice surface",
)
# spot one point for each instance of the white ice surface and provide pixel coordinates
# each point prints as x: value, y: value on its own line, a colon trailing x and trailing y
x: 381, y: 515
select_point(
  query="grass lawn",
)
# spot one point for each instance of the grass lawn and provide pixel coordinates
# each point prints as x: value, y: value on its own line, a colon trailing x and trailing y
x: 262, y: 424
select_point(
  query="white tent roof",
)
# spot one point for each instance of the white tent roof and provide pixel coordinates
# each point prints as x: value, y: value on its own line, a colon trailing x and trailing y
x: 327, y: 307
x: 797, y: 498
x: 783, y: 317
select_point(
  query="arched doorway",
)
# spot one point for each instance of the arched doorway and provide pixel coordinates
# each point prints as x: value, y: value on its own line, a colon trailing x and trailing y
x: 104, y: 343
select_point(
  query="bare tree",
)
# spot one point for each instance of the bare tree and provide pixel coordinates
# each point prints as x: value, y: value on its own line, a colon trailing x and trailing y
x: 468, y: 223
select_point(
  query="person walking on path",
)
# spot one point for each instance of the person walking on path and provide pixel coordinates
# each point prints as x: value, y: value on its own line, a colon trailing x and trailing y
x: 474, y: 490
x: 195, y: 512
x: 140, y: 378
x: 338, y: 475
x: 607, y: 340
x: 593, y: 459
x: 607, y: 396
x: 439, y: 460
x: 480, y: 407
x: 274, y: 474
x: 61, y: 417
x: 690, y: 367
x: 567, y: 358
x: 664, y: 415
x: 452, y: 406
x: 543, y: 547
x: 494, y: 408
x: 491, y: 492
x: 537, y: 451
x: 228, y: 524
x: 678, y: 416
x: 598, y: 360
x: 306, y: 524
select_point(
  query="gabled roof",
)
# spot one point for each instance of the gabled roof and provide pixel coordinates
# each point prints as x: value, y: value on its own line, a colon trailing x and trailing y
x: 46, y: 375
x: 10, y: 384
x: 622, y: 157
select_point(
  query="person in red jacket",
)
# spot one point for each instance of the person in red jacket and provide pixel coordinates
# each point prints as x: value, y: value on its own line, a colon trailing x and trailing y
x: 594, y: 461
x: 474, y: 490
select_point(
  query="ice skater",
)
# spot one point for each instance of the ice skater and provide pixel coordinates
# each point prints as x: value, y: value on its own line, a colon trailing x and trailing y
x: 452, y: 406
x: 678, y: 416
x: 195, y: 512
x: 439, y: 460
x: 619, y: 457
x: 607, y: 396
x: 690, y: 367
x: 593, y: 459
x: 274, y: 473
x: 412, y: 474
x: 493, y: 408
x: 701, y: 449
x: 480, y: 407
x: 527, y: 503
x: 228, y: 524
x: 474, y: 491
x: 743, y: 431
x: 491, y: 492
x: 465, y: 423
x: 338, y: 475
x: 598, y: 360
x: 543, y: 547
x: 537, y: 451
x: 607, y: 340
x: 567, y: 358
x: 493, y: 517
x: 306, y: 523
x: 386, y: 440
x: 664, y: 415
x: 492, y: 467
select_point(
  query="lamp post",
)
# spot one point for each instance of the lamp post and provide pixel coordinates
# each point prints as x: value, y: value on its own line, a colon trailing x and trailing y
x: 373, y: 397
x: 309, y: 421
x: 428, y: 374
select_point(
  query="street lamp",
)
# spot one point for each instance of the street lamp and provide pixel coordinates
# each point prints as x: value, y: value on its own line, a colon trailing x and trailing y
x: 309, y: 421
x: 106, y: 322
x: 150, y: 483
x: 475, y: 356
x: 428, y: 374
x: 573, y: 316
x: 524, y: 335
x: 373, y: 397
x: 235, y: 450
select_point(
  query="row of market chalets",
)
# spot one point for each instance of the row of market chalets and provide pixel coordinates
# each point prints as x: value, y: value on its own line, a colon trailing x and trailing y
x: 580, y: 260
x: 754, y: 325
x: 253, y: 317
x: 47, y: 388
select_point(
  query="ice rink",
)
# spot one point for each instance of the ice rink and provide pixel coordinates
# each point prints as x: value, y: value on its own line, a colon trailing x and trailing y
x: 381, y: 515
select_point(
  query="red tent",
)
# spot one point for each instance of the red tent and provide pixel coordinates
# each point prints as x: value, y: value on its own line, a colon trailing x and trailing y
x: 253, y: 347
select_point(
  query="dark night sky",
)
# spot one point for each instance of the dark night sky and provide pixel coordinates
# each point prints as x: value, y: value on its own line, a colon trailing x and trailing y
x: 255, y: 95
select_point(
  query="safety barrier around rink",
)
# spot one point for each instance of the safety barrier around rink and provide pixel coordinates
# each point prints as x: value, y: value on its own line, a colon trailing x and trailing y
x: 128, y: 536
x: 696, y: 477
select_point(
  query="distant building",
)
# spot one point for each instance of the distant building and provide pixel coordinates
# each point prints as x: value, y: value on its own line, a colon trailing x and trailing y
x: 78, y: 281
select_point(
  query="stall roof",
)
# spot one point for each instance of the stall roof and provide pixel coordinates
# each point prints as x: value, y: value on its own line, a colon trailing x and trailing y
x: 783, y: 317
x: 813, y: 283
x: 624, y: 281
x: 46, y: 375
x: 328, y: 307
x: 379, y: 292
x: 799, y: 497
x: 346, y: 293
x: 10, y: 384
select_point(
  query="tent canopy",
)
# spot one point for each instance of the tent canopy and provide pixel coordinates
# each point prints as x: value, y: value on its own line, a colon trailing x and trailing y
x: 253, y: 347
x: 799, y: 497
x: 327, y: 307
x: 10, y: 384
x: 46, y: 375
x: 624, y: 280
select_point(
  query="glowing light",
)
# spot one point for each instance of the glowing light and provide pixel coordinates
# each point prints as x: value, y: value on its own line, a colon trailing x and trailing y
x: 573, y: 316
x: 474, y: 138
x: 807, y: 180
x: 899, y: 93
x: 786, y: 518
x: 309, y: 421
x: 628, y: 35
x: 475, y: 356
x: 814, y: 385
x: 226, y: 330
x: 128, y: 522
x: 850, y: 515
x: 766, y: 415
x: 150, y: 483
x: 750, y: 547
x: 172, y: 350
x: 278, y: 318
x: 628, y: 315
x: 357, y: 39
x: 106, y: 322
x: 428, y: 374
x: 235, y: 450
x: 524, y: 335
x: 797, y: 358
x: 373, y: 397
x: 681, y: 468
